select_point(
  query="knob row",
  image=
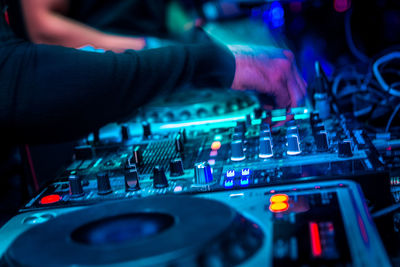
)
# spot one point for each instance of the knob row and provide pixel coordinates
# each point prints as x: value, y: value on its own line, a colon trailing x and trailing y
x: 131, y: 177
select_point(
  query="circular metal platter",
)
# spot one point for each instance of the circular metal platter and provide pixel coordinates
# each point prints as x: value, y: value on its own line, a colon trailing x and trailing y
x: 162, y: 231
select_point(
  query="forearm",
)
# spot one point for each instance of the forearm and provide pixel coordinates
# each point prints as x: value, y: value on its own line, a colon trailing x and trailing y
x: 60, y: 30
x: 64, y: 93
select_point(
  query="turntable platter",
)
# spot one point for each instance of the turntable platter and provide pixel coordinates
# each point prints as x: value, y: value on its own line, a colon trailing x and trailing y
x: 160, y: 231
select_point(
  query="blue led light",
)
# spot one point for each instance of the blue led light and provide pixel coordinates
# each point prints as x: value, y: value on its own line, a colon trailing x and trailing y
x: 275, y: 15
x: 246, y: 172
x: 245, y: 181
x: 230, y: 174
x: 228, y: 183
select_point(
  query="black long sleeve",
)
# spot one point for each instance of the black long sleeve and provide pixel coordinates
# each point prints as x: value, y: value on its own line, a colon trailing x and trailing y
x: 50, y: 93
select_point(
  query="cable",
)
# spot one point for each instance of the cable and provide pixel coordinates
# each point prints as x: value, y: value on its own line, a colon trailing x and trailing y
x: 32, y: 169
x: 385, y: 211
x: 378, y: 75
x: 392, y: 117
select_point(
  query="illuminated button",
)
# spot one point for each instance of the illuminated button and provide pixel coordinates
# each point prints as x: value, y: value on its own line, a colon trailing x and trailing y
x: 279, y: 198
x: 213, y: 153
x: 278, y: 112
x: 50, y: 199
x: 280, y: 118
x: 216, y: 145
x: 245, y: 172
x: 279, y: 207
x: 218, y: 137
x: 228, y: 183
x: 178, y: 189
x: 245, y: 181
x: 230, y: 174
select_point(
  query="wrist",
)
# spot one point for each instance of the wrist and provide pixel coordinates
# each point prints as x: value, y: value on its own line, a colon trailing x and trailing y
x: 241, y: 66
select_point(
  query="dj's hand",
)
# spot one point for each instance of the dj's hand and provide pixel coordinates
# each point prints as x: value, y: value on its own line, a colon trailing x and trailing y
x: 269, y: 71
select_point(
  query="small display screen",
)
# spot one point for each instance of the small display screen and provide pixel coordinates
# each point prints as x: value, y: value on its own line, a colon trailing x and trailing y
x: 309, y: 230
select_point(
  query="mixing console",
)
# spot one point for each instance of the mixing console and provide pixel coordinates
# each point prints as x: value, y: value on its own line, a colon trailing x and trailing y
x: 264, y: 149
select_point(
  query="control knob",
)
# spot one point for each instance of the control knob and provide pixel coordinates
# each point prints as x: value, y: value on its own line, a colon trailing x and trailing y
x: 176, y: 167
x: 293, y: 145
x: 321, y: 141
x: 125, y: 132
x: 146, y: 129
x: 75, y: 186
x: 202, y: 173
x: 137, y: 156
x: 319, y: 127
x: 131, y: 178
x: 159, y: 178
x: 345, y: 150
x: 241, y: 125
x: 265, y: 126
x: 179, y: 147
x: 237, y: 151
x: 103, y: 183
x: 292, y: 130
x: 265, y: 148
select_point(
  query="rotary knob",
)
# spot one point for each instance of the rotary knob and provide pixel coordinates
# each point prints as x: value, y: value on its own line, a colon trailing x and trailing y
x: 137, y: 156
x: 131, y: 178
x: 237, y: 151
x: 179, y: 147
x: 103, y: 183
x: 293, y: 145
x: 176, y: 167
x: 265, y: 126
x: 292, y: 130
x: 183, y: 134
x: 241, y: 126
x: 345, y: 150
x: 125, y: 132
x: 265, y: 148
x: 321, y: 141
x: 238, y: 136
x: 75, y: 186
x: 319, y: 127
x: 265, y: 133
x: 238, y: 133
x: 159, y: 178
x: 314, y: 118
x: 146, y: 130
x: 202, y: 173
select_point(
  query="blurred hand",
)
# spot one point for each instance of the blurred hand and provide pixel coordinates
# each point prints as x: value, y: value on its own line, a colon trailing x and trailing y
x: 270, y: 71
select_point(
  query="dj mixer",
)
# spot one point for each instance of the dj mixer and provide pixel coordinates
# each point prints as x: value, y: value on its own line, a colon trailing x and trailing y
x: 250, y: 187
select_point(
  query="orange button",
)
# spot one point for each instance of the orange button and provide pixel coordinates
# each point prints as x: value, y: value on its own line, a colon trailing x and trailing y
x: 279, y: 207
x: 216, y: 145
x: 279, y: 198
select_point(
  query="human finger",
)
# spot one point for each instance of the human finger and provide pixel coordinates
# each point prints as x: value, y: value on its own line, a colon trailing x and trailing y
x: 300, y: 81
x: 294, y: 90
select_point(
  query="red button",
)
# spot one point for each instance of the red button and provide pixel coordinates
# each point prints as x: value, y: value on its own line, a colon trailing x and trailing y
x: 50, y: 199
